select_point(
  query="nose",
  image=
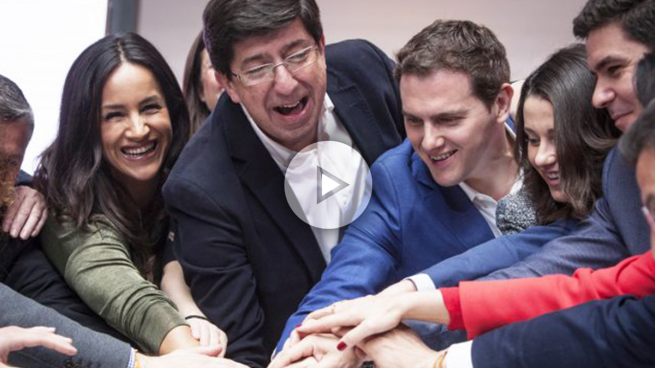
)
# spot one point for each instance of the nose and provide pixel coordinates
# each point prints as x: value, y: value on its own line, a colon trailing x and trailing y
x: 603, y: 94
x: 285, y: 82
x: 138, y: 127
x: 432, y: 138
x: 546, y: 155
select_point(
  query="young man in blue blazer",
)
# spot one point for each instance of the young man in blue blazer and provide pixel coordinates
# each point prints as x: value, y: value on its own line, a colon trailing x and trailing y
x: 435, y: 195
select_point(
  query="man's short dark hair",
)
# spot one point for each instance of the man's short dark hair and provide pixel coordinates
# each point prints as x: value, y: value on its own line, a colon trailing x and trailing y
x: 13, y: 105
x: 226, y: 22
x: 635, y: 17
x: 459, y: 46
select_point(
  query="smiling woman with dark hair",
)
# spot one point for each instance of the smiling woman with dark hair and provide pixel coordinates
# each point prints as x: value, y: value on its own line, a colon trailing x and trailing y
x: 123, y: 122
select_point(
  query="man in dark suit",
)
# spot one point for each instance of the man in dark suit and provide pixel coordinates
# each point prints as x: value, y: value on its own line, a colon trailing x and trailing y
x: 246, y: 256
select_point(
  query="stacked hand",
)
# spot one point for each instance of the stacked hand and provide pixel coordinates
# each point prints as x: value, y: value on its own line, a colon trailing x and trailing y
x: 14, y: 338
x: 208, y: 334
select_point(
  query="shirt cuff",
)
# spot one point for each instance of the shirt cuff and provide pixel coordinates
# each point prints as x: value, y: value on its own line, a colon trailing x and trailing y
x: 422, y: 282
x: 132, y: 362
x: 459, y: 355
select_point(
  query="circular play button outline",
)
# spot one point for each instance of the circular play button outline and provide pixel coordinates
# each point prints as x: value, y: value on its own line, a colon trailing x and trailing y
x: 328, y: 184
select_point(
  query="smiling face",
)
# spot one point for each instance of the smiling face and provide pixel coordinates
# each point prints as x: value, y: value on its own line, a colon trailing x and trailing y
x: 211, y: 87
x: 646, y: 181
x: 136, y: 128
x: 613, y: 57
x: 452, y: 130
x: 288, y: 107
x: 539, y: 126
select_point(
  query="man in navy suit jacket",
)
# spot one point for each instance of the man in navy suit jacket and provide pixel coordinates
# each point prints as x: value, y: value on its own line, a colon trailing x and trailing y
x: 247, y: 257
x: 434, y: 196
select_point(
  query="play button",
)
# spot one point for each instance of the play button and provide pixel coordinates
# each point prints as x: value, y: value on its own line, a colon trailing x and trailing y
x: 328, y: 185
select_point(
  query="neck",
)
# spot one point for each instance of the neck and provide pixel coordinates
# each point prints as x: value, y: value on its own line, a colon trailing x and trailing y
x: 497, y: 174
x: 142, y: 193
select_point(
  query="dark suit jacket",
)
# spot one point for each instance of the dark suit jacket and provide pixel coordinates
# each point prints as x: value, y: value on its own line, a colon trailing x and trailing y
x: 246, y: 256
x: 619, y: 332
x: 616, y: 227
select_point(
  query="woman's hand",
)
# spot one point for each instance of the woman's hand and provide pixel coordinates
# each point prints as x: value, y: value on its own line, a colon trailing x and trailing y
x: 14, y: 338
x: 207, y: 333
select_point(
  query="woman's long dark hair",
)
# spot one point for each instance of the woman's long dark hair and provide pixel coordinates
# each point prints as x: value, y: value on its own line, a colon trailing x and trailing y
x: 583, y: 135
x: 192, y: 85
x: 73, y: 175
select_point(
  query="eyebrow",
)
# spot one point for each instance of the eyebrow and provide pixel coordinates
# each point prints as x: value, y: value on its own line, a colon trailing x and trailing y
x: 285, y: 50
x: 147, y: 100
x: 608, y: 60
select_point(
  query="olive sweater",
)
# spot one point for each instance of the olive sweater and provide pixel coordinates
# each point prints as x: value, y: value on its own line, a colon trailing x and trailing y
x: 98, y: 266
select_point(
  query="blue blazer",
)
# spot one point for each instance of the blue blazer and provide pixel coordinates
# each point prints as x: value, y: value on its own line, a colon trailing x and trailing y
x: 603, y: 330
x: 247, y: 258
x: 410, y: 224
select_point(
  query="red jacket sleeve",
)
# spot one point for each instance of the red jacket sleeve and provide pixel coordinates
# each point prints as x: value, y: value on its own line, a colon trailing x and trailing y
x: 486, y: 305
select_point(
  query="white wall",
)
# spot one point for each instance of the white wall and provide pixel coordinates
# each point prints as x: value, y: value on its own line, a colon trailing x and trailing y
x: 529, y: 29
x: 39, y: 40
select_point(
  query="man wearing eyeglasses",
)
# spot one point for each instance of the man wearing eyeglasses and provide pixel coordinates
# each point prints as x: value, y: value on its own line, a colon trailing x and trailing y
x: 247, y: 258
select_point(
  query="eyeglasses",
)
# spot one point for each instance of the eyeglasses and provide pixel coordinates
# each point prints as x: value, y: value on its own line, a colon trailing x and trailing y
x: 266, y: 72
x: 650, y: 215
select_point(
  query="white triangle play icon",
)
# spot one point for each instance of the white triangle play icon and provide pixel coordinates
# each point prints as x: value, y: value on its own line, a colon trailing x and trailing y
x: 327, y: 184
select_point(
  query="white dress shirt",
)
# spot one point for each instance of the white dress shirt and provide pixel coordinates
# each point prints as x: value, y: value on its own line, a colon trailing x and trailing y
x: 329, y: 129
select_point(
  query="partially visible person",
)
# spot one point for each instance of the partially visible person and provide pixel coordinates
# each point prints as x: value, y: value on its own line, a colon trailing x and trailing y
x: 248, y: 258
x: 26, y: 215
x: 123, y: 123
x: 200, y: 86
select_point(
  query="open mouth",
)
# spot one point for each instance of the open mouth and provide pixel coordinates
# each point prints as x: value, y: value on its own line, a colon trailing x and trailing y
x: 443, y: 156
x: 553, y: 176
x: 138, y: 152
x: 296, y: 108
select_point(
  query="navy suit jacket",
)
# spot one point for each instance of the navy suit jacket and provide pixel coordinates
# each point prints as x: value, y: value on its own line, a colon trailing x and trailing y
x: 410, y: 224
x: 619, y: 332
x: 616, y: 227
x: 246, y: 256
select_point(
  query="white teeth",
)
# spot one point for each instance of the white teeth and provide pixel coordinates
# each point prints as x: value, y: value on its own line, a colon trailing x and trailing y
x: 140, y: 150
x: 442, y: 157
x: 553, y: 176
x: 290, y: 106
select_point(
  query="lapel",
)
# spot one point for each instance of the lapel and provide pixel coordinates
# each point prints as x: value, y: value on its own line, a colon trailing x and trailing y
x: 356, y: 116
x: 260, y: 174
x: 461, y: 217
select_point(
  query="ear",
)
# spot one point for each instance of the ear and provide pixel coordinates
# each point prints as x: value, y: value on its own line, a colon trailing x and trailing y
x: 228, y: 85
x: 503, y: 102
